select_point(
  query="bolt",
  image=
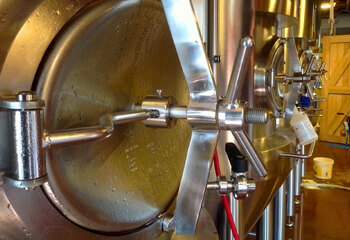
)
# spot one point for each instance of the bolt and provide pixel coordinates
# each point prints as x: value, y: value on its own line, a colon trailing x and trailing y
x: 159, y: 92
x: 154, y: 114
x: 289, y: 222
x: 256, y: 116
x: 29, y: 188
x: 217, y: 59
x: 26, y: 96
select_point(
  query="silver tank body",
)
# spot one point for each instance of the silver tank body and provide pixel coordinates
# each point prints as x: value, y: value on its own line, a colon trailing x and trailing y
x: 86, y: 58
x: 262, y: 20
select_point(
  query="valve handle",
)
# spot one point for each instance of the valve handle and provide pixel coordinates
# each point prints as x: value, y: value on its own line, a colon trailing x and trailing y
x: 238, y: 162
x: 238, y: 71
x: 235, y: 87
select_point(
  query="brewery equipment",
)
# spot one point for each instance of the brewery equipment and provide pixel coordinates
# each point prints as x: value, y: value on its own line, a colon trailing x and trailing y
x: 112, y: 111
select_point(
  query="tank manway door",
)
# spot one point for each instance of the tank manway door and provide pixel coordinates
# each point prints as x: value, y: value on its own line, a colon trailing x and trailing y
x: 105, y: 170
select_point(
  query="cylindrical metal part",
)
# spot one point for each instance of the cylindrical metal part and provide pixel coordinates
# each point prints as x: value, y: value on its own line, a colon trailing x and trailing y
x: 99, y: 132
x: 213, y: 186
x: 297, y: 176
x: 239, y: 69
x: 213, y: 35
x: 237, y: 214
x: 279, y: 209
x: 162, y: 105
x: 290, y: 194
x: 250, y: 153
x: 265, y: 226
x: 27, y: 161
x: 256, y: 116
x: 75, y: 136
x: 178, y: 112
x: 303, y: 162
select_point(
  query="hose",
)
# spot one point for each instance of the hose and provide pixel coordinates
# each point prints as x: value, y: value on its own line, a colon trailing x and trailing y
x: 224, y: 199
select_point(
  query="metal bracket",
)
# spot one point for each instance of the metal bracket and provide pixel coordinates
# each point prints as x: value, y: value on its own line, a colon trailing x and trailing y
x: 300, y: 156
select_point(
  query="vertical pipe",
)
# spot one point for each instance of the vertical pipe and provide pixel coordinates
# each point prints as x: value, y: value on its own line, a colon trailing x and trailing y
x: 290, y: 198
x: 279, y: 213
x: 303, y: 164
x: 236, y: 208
x: 297, y: 176
x: 297, y: 173
x: 265, y: 226
x: 331, y: 18
x: 213, y: 36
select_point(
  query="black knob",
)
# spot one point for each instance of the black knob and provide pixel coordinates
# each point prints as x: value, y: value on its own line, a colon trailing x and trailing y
x: 238, y: 162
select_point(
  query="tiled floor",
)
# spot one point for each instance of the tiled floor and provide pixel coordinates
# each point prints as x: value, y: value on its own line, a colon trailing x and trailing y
x: 325, y: 212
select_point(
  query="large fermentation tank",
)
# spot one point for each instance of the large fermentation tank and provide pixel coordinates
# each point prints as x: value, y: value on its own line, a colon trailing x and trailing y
x: 262, y: 20
x: 90, y: 58
x: 85, y: 59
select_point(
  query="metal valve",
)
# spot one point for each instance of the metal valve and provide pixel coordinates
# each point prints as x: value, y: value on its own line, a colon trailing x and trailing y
x: 239, y: 184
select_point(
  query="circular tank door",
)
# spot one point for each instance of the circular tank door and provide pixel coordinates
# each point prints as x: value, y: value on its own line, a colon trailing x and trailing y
x: 107, y: 58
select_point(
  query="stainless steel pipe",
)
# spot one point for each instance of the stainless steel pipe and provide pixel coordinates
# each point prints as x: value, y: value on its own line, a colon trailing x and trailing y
x: 279, y: 209
x: 178, y: 112
x: 250, y: 153
x: 239, y: 69
x: 290, y: 198
x: 99, y: 132
x: 297, y: 176
x: 236, y: 207
x: 265, y: 227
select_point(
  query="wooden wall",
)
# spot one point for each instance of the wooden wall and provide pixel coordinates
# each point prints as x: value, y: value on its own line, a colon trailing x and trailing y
x: 336, y: 51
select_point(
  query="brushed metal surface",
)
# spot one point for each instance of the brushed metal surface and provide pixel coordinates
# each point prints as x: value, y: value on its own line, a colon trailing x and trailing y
x: 307, y: 21
x: 236, y: 19
x: 109, y: 57
x: 27, y: 29
x: 286, y: 8
x: 230, y: 20
x: 201, y: 112
x: 267, y: 91
x: 269, y: 148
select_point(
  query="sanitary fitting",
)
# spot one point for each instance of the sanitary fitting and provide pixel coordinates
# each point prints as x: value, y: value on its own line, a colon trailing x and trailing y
x: 162, y: 105
x: 234, y: 117
x: 222, y: 186
x: 27, y: 163
x: 239, y: 184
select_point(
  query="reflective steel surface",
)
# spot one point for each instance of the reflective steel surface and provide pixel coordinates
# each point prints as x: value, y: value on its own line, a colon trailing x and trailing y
x: 124, y: 182
x: 307, y: 22
x: 201, y: 112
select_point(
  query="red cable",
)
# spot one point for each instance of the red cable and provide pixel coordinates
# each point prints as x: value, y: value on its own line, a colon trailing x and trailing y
x: 217, y: 164
x: 224, y: 199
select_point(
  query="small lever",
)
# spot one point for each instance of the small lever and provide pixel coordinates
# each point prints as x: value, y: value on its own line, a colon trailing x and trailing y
x: 237, y: 160
x: 239, y: 69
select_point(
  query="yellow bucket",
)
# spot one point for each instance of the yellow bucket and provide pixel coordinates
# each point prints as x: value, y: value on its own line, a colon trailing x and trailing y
x: 323, y: 167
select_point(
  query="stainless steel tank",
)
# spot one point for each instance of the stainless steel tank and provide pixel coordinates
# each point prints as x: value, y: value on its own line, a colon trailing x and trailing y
x: 261, y: 20
x: 85, y: 59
